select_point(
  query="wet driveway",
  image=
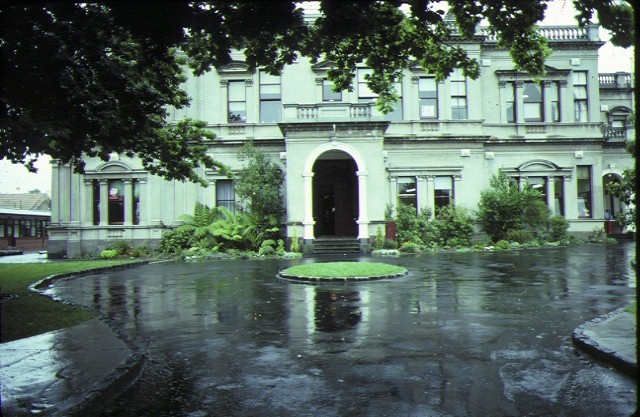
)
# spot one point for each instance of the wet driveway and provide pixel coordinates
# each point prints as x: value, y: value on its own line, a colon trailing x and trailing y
x: 471, y: 334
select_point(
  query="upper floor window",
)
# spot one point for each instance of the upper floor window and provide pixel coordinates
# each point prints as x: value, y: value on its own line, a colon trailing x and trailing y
x: 364, y: 92
x: 327, y: 92
x: 458, y: 95
x: 270, y: 98
x: 428, y: 94
x: 553, y: 92
x: 237, y: 102
x: 580, y: 96
x: 532, y: 99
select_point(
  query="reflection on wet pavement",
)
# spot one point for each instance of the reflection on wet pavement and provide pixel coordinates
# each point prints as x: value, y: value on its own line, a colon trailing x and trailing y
x: 475, y: 334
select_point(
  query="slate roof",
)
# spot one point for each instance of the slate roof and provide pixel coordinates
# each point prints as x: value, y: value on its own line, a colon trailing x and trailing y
x: 26, y: 201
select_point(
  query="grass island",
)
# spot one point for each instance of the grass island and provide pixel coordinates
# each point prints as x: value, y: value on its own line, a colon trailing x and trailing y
x: 342, y: 271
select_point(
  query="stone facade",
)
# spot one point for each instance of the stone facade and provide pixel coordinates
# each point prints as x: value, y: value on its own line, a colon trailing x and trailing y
x: 346, y: 163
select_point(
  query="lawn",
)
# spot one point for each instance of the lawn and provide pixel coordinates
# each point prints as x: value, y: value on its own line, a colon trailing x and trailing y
x: 27, y: 313
x: 344, y: 269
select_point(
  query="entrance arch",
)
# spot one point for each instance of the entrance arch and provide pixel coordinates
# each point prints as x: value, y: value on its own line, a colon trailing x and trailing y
x: 349, y: 194
x: 612, y: 205
x: 335, y: 195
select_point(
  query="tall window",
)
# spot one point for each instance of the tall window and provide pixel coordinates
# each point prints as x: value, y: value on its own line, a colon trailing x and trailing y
x: 553, y: 91
x: 539, y: 184
x: 225, y: 195
x: 584, y: 191
x: 270, y: 98
x: 407, y: 191
x: 136, y: 202
x: 428, y: 94
x: 580, y: 96
x: 116, y: 202
x: 558, y: 200
x: 365, y: 94
x: 458, y: 95
x: 532, y: 99
x: 443, y: 192
x: 96, y: 202
x: 327, y: 92
x: 237, y: 102
x: 510, y: 94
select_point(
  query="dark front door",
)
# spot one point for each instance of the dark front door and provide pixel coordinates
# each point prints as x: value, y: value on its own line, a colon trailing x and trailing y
x: 335, y: 203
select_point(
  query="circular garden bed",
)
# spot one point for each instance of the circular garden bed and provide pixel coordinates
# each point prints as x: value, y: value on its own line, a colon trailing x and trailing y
x: 342, y: 271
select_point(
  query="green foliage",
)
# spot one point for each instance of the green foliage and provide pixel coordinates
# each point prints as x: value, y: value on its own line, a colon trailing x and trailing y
x: 379, y: 242
x: 454, y: 226
x: 558, y: 227
x: 175, y: 241
x: 122, y: 247
x: 410, y: 247
x: 390, y: 244
x: 519, y: 236
x: 62, y: 95
x: 109, y: 254
x: 503, y: 245
x: 505, y: 207
x: 295, y: 245
x: 411, y: 226
x: 625, y: 191
x: 259, y: 186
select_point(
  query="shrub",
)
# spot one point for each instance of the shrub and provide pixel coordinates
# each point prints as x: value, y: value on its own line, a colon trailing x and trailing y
x: 503, y: 245
x: 140, y: 251
x: 122, y: 247
x: 454, y: 226
x: 390, y: 244
x: 412, y: 226
x: 505, y: 207
x: 558, y: 227
x: 410, y: 247
x: 295, y: 245
x: 379, y: 243
x: 175, y: 241
x: 519, y: 236
x: 109, y: 254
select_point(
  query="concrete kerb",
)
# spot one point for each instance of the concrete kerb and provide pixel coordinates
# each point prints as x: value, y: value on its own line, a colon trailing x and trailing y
x: 106, y: 390
x: 622, y: 358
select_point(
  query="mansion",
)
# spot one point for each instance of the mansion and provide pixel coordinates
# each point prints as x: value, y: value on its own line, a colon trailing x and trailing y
x: 346, y: 164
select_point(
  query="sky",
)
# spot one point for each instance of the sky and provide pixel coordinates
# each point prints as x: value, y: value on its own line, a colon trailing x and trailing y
x: 16, y: 178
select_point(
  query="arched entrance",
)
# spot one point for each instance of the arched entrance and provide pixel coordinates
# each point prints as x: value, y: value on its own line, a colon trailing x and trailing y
x: 612, y: 205
x: 336, y: 164
x: 335, y: 195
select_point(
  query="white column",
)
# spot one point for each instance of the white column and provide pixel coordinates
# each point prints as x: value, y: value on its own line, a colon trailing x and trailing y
x: 75, y: 197
x: 393, y: 195
x: 431, y: 194
x: 87, y: 210
x: 570, y: 198
x: 551, y: 191
x: 55, y: 192
x: 363, y: 219
x: 142, y: 201
x: 566, y: 103
x: 519, y: 102
x: 104, y: 202
x: 308, y: 222
x: 212, y: 187
x: 422, y: 198
x: 128, y: 202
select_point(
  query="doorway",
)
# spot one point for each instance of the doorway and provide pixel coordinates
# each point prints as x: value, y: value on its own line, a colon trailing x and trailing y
x: 335, y: 195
